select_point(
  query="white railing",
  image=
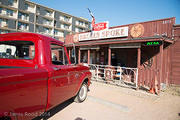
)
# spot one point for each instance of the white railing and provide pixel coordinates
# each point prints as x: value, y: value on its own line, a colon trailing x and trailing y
x: 115, y: 74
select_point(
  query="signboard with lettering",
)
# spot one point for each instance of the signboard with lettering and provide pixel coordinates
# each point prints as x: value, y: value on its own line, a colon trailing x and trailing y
x: 108, y: 33
x: 101, y: 26
x: 152, y: 43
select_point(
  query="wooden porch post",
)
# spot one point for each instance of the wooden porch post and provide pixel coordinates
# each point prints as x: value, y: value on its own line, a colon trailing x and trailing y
x: 139, y: 58
x: 88, y: 56
x: 69, y: 52
x: 79, y: 57
x: 109, y: 56
x: 138, y: 65
x: 160, y: 67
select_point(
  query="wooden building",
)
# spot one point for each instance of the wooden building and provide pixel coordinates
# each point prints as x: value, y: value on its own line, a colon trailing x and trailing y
x: 152, y: 47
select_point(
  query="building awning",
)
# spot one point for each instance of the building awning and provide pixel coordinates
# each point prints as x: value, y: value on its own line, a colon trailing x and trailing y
x: 125, y: 45
x: 89, y: 47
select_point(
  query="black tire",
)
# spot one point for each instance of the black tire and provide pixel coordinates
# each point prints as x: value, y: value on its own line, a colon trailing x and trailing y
x: 82, y: 94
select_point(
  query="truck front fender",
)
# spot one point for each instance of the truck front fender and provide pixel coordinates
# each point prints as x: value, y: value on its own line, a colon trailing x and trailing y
x: 85, y: 77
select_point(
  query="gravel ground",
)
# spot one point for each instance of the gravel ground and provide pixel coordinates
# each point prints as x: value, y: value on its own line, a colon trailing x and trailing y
x: 109, y: 102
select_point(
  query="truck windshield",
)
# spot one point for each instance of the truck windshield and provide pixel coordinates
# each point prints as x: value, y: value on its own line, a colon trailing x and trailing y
x: 17, y: 49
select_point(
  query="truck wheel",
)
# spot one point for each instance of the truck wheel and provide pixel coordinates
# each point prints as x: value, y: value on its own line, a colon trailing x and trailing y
x: 82, y: 94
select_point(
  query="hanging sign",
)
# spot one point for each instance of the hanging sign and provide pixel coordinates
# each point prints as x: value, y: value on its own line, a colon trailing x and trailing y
x: 101, y: 26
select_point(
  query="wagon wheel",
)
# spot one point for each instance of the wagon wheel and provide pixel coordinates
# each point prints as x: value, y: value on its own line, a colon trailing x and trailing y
x: 127, y: 75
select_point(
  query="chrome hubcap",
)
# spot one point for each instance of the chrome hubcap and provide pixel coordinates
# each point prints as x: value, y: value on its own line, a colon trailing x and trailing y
x: 82, y: 93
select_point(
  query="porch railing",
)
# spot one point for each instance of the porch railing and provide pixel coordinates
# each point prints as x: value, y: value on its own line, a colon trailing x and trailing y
x: 115, y: 74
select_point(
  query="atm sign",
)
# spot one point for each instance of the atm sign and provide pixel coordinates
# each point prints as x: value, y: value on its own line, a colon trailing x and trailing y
x: 152, y: 43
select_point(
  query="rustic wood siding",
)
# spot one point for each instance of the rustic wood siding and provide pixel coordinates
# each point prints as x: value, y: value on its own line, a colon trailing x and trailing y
x: 175, y: 59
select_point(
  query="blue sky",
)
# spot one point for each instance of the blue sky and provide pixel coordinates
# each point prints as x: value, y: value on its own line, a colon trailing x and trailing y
x: 118, y: 12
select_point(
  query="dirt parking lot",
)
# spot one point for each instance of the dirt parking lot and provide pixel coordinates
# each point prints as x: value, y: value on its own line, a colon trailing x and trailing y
x: 109, y: 102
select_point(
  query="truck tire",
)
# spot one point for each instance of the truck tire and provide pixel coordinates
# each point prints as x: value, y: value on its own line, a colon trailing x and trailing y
x: 82, y: 94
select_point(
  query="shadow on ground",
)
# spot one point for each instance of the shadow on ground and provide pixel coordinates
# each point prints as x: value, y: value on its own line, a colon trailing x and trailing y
x: 55, y: 110
x: 79, y: 118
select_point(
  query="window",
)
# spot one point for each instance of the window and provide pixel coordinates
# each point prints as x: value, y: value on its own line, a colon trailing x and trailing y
x: 81, y: 23
x: 81, y: 30
x: 37, y: 29
x: 38, y: 10
x: 86, y: 24
x: 26, y: 6
x: 1, y: 10
x: 17, y: 50
x: 47, y: 30
x: 23, y: 16
x: 58, y: 33
x: 23, y: 26
x: 66, y: 26
x: 47, y: 22
x: 66, y: 18
x: 10, y: 2
x: 84, y: 56
x: 3, y: 31
x: 9, y: 12
x: 58, y: 55
x: 48, y: 13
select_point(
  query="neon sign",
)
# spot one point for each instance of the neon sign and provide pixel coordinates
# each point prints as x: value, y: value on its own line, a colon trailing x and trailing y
x: 152, y: 43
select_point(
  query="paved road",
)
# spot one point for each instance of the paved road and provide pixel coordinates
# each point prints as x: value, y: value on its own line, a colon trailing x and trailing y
x: 107, y: 102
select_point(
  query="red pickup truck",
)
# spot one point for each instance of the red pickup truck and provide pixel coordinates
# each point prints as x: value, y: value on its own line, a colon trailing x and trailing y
x: 36, y: 75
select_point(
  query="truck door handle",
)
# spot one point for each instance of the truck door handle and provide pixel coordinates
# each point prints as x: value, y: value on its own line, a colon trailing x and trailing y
x: 56, y: 68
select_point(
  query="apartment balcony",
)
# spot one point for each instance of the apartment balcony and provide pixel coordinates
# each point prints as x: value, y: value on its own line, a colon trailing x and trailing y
x: 30, y: 7
x: 4, y: 24
x: 23, y: 28
x: 47, y: 33
x: 13, y: 4
x: 11, y: 14
x: 81, y: 25
x: 4, y: 31
x: 58, y: 34
x: 3, y: 12
x: 65, y: 27
x: 49, y: 15
x: 24, y: 18
x: 65, y: 20
x: 48, y: 23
